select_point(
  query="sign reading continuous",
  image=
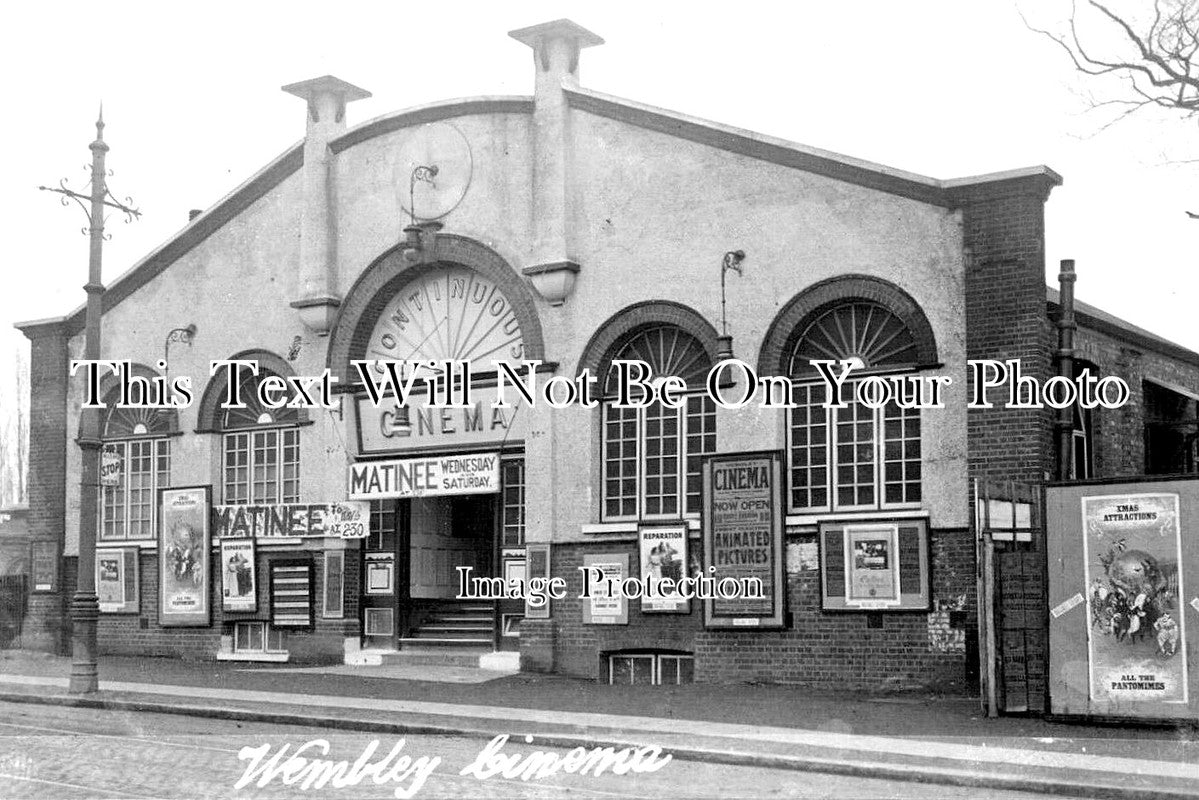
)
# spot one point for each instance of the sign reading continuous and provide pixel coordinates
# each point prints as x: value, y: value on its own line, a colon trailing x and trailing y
x: 477, y: 473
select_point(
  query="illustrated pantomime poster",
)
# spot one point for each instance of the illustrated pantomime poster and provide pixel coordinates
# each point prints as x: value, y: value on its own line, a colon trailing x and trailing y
x: 1136, y: 628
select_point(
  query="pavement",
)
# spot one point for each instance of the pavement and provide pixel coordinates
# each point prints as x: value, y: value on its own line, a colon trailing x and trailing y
x: 929, y: 738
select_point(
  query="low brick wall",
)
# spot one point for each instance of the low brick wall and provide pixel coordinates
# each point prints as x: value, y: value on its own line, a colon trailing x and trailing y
x: 822, y: 649
x: 140, y: 634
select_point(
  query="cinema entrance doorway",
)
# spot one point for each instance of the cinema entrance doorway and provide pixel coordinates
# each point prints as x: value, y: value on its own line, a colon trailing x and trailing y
x: 410, y: 594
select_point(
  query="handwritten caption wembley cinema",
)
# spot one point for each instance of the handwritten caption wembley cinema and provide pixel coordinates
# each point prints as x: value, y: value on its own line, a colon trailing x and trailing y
x: 308, y: 766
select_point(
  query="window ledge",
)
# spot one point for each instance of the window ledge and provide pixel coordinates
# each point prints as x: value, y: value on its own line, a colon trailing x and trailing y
x: 632, y: 526
x: 145, y: 544
x: 793, y: 520
x: 273, y: 658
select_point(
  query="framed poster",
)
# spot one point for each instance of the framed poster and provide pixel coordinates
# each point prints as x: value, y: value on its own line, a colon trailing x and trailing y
x: 291, y: 593
x: 183, y: 555
x: 334, y: 583
x: 380, y: 573
x: 1132, y: 554
x: 117, y: 580
x: 605, y: 603
x: 239, y: 579
x: 743, y: 538
x: 663, y: 554
x: 877, y: 565
x: 43, y: 564
x: 872, y: 564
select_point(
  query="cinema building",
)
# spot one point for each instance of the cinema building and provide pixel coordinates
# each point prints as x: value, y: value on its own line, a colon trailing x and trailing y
x: 573, y: 228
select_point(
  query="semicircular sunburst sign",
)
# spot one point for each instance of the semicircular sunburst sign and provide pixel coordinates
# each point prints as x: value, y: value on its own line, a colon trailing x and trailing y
x: 450, y: 313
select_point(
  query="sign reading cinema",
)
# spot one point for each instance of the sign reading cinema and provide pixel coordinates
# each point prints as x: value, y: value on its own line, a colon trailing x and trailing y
x: 426, y: 477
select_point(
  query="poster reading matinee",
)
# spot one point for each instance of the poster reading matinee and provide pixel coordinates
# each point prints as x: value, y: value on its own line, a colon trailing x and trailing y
x: 743, y: 533
x: 1136, y: 625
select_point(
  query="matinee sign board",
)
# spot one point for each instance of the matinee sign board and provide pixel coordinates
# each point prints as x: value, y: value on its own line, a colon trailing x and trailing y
x: 480, y: 425
x: 476, y: 473
x: 289, y: 520
x: 743, y: 536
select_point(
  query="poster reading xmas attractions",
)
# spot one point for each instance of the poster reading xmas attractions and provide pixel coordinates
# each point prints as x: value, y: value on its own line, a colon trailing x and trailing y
x: 1136, y: 635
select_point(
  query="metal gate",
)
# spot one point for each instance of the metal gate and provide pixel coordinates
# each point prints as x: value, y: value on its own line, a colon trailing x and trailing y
x: 1013, y: 604
x: 14, y: 597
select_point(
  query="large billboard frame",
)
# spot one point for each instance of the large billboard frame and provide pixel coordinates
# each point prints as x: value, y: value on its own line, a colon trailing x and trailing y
x: 1076, y: 587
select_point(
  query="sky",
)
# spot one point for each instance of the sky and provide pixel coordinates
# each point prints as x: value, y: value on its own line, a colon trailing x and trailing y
x: 942, y: 88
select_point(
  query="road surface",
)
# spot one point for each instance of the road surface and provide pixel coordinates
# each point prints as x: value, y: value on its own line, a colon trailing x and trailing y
x: 64, y: 753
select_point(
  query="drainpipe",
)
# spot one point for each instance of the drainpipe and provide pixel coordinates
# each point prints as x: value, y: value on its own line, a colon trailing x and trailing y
x: 1065, y: 364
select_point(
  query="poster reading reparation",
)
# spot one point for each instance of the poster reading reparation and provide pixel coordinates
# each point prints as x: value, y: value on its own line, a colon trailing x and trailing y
x: 743, y: 537
x: 1136, y: 636
x: 183, y: 543
x: 238, y: 575
x: 663, y: 552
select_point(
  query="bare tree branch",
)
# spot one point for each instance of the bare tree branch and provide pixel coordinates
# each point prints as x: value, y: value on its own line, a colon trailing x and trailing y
x: 1156, y: 64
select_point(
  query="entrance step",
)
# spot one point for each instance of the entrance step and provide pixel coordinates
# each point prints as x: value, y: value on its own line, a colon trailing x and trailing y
x: 449, y: 624
x: 437, y: 656
x: 445, y: 641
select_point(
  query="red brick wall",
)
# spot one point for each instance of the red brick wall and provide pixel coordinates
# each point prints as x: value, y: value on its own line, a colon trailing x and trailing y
x: 1118, y: 441
x: 45, y: 627
x: 1004, y: 231
x: 140, y: 634
x: 828, y: 650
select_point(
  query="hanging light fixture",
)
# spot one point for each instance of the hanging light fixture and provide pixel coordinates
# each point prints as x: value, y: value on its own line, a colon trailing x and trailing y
x: 724, y: 343
x: 419, y: 237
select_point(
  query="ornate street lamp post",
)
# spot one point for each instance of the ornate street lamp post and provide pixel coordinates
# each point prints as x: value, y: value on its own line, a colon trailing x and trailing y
x: 85, y: 606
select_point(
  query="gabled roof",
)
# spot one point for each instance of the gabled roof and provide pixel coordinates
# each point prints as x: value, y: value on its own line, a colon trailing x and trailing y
x: 258, y: 185
x: 946, y: 193
x: 792, y: 154
x: 1099, y: 320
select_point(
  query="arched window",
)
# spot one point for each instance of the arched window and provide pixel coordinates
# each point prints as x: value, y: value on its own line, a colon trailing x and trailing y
x: 651, y: 456
x: 261, y: 449
x: 857, y: 457
x: 864, y: 332
x: 137, y: 453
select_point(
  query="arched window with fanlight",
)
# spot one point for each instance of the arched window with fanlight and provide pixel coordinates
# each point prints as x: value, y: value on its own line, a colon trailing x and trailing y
x: 137, y: 444
x: 856, y: 457
x: 651, y: 456
x: 261, y: 449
